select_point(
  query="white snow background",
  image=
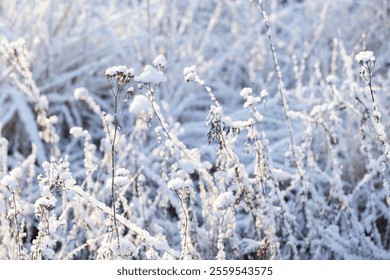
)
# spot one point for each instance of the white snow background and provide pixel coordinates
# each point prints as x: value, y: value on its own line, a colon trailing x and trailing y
x: 194, y: 129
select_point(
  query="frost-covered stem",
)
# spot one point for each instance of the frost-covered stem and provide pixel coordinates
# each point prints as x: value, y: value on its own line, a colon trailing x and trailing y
x: 184, y: 246
x: 17, y: 237
x: 142, y: 234
x: 113, y: 190
x: 113, y: 142
x: 283, y: 99
x: 379, y: 127
x: 369, y: 83
x: 221, y: 138
x: 221, y: 253
x: 209, y: 92
x: 337, y: 188
x: 138, y: 189
x: 162, y: 123
x: 381, y: 134
x: 81, y: 247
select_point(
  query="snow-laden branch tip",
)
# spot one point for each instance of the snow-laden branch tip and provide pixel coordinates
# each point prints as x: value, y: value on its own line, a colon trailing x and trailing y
x: 364, y: 57
x: 190, y: 73
x: 224, y: 201
x: 160, y: 61
x: 151, y: 75
x: 178, y: 184
x: 119, y: 70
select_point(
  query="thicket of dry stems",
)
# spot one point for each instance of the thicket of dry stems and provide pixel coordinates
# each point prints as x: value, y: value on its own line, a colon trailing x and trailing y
x: 294, y: 166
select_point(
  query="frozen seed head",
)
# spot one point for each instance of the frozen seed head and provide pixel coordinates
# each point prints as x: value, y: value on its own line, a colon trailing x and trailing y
x: 80, y: 92
x: 119, y: 71
x: 151, y: 75
x: 8, y: 182
x: 160, y: 61
x: 130, y: 90
x: 245, y: 92
x: 264, y: 93
x: 189, y: 73
x: 364, y: 57
x: 122, y: 172
x: 224, y: 201
x: 177, y: 184
x: 16, y: 173
x: 331, y: 79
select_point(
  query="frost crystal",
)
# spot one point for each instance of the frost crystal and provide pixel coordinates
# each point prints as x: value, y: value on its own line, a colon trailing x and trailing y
x: 364, y: 57
x: 160, y: 61
x: 151, y: 75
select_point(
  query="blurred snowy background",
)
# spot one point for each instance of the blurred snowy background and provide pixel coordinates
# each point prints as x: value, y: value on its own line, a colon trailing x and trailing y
x: 326, y: 197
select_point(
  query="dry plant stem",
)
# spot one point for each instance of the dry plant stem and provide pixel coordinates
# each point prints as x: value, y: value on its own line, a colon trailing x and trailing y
x: 122, y: 220
x: 376, y: 112
x: 151, y: 99
x: 17, y: 240
x: 113, y: 142
x: 221, y: 235
x: 183, y: 253
x: 222, y: 142
x: 112, y: 181
x: 377, y: 119
x: 369, y: 82
x: 160, y: 120
x: 260, y: 7
x: 81, y: 247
